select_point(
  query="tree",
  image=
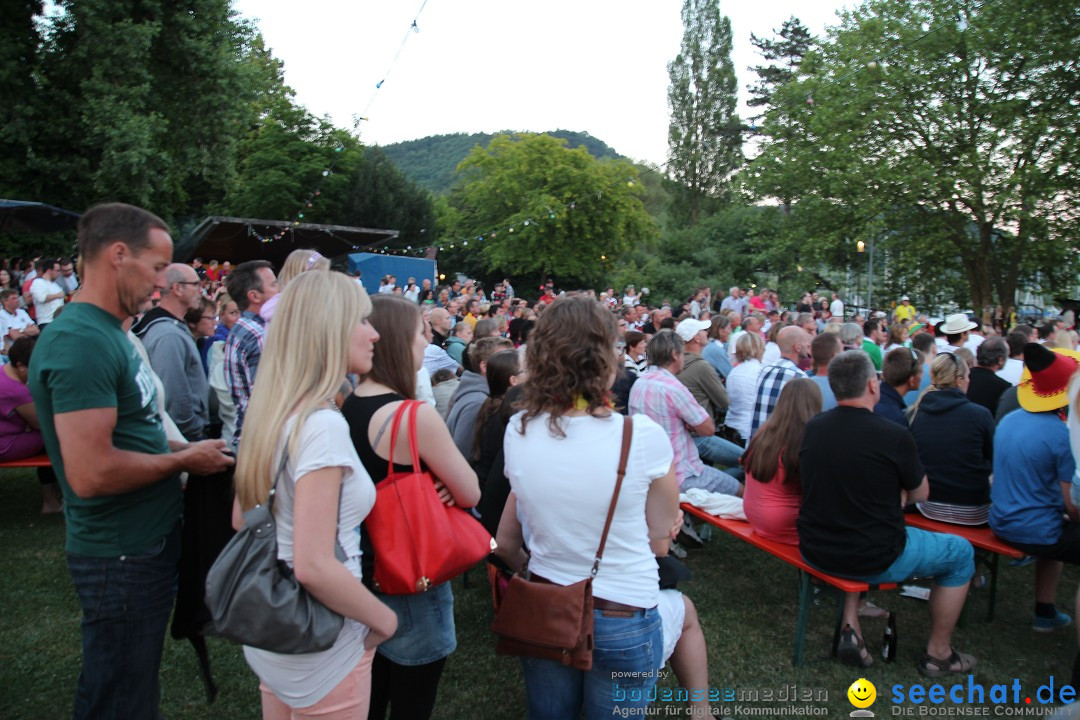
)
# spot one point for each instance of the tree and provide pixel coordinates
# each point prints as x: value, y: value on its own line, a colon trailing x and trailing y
x: 940, y: 121
x: 528, y: 205
x: 18, y: 62
x: 705, y: 134
x: 136, y: 101
x: 784, y: 57
x: 382, y: 197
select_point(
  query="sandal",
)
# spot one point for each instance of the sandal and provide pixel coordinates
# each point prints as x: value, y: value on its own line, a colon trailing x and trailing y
x: 851, y: 649
x: 868, y: 609
x: 931, y: 666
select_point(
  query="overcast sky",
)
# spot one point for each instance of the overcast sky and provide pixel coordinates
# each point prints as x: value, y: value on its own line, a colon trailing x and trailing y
x: 598, y: 66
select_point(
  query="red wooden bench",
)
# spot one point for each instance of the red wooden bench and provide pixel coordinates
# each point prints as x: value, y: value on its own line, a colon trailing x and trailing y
x: 790, y: 554
x: 988, y: 548
x: 34, y: 461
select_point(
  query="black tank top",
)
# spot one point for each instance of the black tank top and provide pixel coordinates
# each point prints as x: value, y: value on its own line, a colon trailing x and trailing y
x: 358, y: 412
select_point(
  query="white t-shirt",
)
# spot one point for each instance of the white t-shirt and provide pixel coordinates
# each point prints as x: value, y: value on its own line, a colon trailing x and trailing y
x: 1012, y: 371
x: 9, y: 322
x: 836, y: 309
x: 771, y: 355
x: 40, y: 289
x: 564, y: 487
x: 303, y: 680
x: 974, y: 341
x: 742, y: 394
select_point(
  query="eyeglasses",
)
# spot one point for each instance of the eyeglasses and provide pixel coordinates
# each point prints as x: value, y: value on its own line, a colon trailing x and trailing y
x: 187, y: 282
x: 207, y: 317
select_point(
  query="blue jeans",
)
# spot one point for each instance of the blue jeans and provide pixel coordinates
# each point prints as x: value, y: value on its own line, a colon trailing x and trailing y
x: 715, y: 450
x: 425, y: 631
x: 949, y: 559
x: 627, y: 653
x: 126, y: 602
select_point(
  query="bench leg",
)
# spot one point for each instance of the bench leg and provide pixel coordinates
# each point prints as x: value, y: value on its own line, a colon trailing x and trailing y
x: 992, y: 564
x: 806, y: 599
x: 840, y: 598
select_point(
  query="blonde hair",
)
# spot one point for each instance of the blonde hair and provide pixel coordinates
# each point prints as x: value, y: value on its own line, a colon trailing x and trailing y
x: 300, y: 261
x: 749, y: 345
x: 305, y: 359
x: 946, y: 372
x: 223, y: 302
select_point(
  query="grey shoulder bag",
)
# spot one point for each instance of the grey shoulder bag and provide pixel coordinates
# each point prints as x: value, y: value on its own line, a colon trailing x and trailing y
x: 255, y: 599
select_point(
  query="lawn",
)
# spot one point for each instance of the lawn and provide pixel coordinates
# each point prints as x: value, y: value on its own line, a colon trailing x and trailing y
x: 746, y: 601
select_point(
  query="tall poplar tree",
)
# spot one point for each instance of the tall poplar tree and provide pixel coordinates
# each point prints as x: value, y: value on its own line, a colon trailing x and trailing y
x: 705, y: 133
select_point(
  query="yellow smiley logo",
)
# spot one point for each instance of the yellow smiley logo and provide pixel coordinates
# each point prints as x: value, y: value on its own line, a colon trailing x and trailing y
x: 862, y: 693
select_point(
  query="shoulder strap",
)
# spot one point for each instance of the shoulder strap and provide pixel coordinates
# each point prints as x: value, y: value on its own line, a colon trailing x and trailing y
x: 410, y: 407
x: 624, y: 454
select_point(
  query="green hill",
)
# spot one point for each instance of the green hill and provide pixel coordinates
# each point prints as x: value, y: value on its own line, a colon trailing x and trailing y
x: 431, y: 161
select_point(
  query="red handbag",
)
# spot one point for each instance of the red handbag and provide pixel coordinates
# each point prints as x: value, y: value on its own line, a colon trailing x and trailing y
x: 419, y: 542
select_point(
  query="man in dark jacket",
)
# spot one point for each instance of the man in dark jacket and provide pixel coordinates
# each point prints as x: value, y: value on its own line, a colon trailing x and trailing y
x: 985, y: 386
x: 901, y: 372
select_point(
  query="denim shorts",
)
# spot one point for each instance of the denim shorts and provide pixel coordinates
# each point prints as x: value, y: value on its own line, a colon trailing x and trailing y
x: 628, y: 651
x: 426, y: 631
x: 949, y: 559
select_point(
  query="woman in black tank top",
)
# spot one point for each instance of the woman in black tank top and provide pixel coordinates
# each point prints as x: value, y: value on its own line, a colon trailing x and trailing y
x: 405, y: 674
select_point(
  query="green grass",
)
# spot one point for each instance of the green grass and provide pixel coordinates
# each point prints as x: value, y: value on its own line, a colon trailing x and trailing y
x: 746, y: 600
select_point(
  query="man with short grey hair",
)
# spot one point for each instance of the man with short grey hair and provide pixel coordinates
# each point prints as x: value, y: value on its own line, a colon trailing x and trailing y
x: 851, y: 521
x: 984, y: 386
x: 173, y: 354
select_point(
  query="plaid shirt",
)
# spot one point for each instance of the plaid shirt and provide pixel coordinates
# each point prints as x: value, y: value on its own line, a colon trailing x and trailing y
x: 663, y: 398
x: 771, y: 381
x: 243, y: 348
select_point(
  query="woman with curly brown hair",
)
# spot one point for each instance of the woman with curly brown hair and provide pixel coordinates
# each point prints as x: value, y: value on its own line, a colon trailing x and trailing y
x: 562, y: 453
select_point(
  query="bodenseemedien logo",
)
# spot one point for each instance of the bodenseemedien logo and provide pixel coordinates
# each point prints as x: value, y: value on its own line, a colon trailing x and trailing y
x: 862, y: 694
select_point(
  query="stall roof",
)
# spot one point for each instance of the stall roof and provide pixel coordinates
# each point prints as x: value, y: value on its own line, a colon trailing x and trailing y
x: 35, y: 217
x: 240, y: 239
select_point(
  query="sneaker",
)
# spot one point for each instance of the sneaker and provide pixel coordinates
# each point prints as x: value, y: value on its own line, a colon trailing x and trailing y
x: 1022, y: 562
x: 1045, y: 625
x: 677, y: 550
x: 688, y: 536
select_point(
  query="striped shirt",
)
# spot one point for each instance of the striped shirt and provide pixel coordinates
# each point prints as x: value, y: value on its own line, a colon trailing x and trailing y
x: 664, y: 399
x: 772, y: 380
x: 243, y: 348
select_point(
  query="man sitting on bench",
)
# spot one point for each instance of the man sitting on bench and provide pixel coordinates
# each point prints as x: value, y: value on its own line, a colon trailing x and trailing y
x: 851, y: 522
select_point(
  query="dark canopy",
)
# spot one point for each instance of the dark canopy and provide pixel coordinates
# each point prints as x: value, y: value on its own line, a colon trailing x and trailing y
x: 240, y: 239
x: 35, y: 217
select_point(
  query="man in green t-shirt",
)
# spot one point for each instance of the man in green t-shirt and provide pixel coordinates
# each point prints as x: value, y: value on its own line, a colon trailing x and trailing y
x: 98, y: 408
x: 871, y: 344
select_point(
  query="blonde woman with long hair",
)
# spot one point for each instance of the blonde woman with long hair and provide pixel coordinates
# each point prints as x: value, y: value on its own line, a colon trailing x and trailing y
x: 299, y: 261
x: 322, y: 492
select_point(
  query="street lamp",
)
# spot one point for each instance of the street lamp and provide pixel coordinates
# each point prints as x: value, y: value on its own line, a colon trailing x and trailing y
x: 860, y: 246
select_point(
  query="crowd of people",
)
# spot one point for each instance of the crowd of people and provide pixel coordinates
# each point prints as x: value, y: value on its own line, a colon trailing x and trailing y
x: 824, y: 428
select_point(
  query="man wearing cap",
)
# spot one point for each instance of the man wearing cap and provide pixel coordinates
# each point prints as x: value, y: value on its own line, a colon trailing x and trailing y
x: 704, y: 384
x: 955, y: 329
x: 1033, y: 471
x: 904, y: 311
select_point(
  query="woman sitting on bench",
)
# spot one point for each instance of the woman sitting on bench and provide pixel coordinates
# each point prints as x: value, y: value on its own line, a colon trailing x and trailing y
x: 20, y: 435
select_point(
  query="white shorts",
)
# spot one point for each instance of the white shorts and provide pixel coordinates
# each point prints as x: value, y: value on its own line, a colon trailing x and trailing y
x: 672, y: 614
